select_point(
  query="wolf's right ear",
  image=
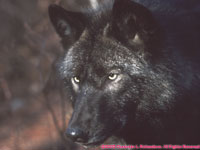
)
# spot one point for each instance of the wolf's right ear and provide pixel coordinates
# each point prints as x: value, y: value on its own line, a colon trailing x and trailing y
x: 134, y: 23
x: 67, y: 24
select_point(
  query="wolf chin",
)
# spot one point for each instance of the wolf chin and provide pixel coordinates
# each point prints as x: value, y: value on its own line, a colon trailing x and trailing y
x: 128, y: 76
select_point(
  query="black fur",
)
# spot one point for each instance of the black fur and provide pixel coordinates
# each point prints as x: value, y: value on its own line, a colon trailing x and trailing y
x: 155, y: 59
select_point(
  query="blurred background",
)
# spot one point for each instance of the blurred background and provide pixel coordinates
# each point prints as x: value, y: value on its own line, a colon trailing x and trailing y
x: 30, y: 119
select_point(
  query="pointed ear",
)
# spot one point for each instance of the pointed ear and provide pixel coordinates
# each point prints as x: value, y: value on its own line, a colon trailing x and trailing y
x: 67, y: 24
x: 132, y: 22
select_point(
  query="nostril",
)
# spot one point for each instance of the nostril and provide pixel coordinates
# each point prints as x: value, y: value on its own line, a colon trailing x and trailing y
x: 76, y: 135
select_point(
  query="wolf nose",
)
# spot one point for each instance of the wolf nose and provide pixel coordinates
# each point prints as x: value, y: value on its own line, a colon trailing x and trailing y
x: 76, y: 135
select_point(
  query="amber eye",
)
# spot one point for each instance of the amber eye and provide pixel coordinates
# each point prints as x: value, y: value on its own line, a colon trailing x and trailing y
x: 113, y: 76
x: 76, y: 79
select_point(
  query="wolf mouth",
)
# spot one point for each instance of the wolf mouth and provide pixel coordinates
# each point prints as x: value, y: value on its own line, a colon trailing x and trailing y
x: 93, y: 142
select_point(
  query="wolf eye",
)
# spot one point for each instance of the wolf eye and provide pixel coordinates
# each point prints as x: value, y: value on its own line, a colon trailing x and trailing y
x: 76, y: 79
x: 112, y: 76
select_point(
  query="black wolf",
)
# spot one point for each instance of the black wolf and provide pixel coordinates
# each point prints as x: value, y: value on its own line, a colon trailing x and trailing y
x: 131, y: 73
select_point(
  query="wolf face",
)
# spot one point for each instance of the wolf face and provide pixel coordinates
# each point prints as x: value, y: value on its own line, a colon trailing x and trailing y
x: 107, y: 67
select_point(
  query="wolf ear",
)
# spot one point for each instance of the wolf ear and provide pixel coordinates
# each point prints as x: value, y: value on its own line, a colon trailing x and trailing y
x: 67, y: 24
x: 132, y: 22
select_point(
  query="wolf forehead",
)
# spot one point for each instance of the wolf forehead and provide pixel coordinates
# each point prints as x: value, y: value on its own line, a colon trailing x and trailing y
x: 102, y: 55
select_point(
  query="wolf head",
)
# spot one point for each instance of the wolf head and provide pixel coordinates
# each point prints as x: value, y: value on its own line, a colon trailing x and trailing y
x: 108, y: 54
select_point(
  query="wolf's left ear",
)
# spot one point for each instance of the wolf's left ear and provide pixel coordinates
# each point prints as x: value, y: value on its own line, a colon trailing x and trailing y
x: 132, y: 22
x: 68, y: 25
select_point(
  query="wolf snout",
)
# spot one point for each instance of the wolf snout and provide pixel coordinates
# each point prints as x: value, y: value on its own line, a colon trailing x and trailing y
x: 77, y: 135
